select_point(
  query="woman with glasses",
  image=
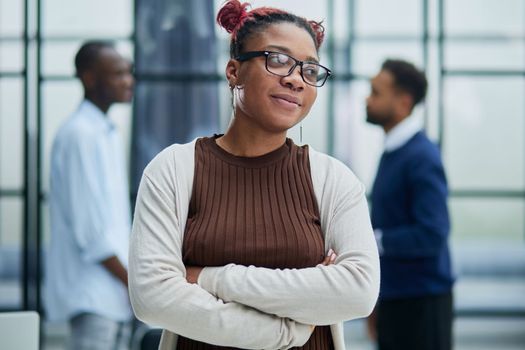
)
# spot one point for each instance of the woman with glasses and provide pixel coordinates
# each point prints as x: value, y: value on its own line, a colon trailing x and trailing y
x: 234, y: 235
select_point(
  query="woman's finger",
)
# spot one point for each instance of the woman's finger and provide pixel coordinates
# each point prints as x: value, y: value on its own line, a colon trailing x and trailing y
x: 329, y: 258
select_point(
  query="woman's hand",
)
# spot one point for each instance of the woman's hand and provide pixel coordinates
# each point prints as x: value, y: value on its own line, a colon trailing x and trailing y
x: 329, y: 258
x: 371, y: 325
x: 192, y: 273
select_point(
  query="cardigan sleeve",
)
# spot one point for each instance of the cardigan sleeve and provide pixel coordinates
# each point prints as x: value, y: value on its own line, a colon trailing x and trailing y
x: 161, y: 296
x: 319, y: 295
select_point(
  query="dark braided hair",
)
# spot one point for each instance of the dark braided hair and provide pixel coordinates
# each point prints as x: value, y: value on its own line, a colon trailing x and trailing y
x: 241, y: 23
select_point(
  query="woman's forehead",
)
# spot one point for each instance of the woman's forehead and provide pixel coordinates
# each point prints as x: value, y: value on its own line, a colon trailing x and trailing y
x: 295, y: 39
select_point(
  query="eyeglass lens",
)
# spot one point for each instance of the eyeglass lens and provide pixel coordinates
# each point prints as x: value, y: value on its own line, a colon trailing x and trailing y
x: 281, y: 64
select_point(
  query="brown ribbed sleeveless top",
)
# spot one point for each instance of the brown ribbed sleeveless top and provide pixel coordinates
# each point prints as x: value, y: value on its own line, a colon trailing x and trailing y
x: 258, y: 211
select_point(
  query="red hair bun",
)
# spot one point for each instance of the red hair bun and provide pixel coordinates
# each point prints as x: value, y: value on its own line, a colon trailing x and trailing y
x: 318, y: 29
x: 232, y: 15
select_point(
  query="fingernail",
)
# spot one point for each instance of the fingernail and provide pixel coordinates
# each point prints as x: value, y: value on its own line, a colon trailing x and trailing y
x: 330, y: 252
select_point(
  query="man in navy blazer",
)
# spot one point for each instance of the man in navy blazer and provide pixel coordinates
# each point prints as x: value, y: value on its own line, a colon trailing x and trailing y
x: 410, y: 219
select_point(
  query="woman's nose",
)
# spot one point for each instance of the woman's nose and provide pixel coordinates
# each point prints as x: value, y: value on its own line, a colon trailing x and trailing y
x: 295, y: 78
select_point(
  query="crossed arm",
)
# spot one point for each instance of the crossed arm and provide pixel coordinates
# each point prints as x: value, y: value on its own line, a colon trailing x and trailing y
x: 193, y: 272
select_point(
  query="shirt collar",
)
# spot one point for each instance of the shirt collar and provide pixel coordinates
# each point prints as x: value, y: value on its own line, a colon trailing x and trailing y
x: 401, y: 133
x: 89, y: 108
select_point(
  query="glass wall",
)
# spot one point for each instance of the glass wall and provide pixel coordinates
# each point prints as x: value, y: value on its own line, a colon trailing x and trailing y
x: 38, y: 41
x: 483, y: 107
x: 12, y: 95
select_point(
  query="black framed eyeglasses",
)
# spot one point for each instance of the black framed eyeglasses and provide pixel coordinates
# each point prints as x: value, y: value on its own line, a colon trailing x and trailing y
x: 283, y: 65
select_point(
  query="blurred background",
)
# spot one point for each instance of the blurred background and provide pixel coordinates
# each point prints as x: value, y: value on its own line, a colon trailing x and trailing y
x: 473, y: 52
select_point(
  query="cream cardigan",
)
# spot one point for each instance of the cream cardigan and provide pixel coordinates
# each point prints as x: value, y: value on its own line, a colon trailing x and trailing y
x: 249, y: 307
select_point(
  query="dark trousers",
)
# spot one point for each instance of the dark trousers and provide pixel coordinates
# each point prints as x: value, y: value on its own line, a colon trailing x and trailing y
x: 422, y: 323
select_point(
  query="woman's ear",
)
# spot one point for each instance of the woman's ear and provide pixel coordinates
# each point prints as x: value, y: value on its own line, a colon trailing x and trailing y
x: 232, y: 72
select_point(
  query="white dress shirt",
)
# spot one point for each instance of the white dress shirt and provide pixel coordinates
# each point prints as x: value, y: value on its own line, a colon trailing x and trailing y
x: 401, y: 133
x: 90, y: 219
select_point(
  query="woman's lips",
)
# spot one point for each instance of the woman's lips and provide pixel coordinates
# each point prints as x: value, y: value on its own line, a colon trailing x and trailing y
x: 285, y: 100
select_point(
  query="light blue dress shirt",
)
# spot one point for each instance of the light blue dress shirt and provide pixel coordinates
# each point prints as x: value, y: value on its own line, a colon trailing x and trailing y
x: 90, y: 218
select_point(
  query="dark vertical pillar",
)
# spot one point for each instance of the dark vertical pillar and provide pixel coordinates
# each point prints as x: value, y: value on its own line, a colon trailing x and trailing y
x: 441, y: 63
x: 176, y: 95
x: 425, y: 45
x: 31, y: 276
x: 331, y: 141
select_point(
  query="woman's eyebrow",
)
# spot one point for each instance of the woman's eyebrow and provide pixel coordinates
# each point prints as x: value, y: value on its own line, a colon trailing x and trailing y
x: 279, y: 48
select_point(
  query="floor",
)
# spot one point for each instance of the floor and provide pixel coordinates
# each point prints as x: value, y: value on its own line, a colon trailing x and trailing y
x: 469, y: 334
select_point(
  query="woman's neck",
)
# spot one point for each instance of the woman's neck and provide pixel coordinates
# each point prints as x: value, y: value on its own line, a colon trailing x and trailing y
x: 244, y: 142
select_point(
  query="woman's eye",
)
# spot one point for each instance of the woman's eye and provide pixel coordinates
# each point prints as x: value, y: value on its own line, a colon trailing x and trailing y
x: 279, y: 59
x: 310, y: 71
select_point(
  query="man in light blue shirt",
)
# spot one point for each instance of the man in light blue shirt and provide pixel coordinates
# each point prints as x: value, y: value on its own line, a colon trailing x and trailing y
x: 86, y: 269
